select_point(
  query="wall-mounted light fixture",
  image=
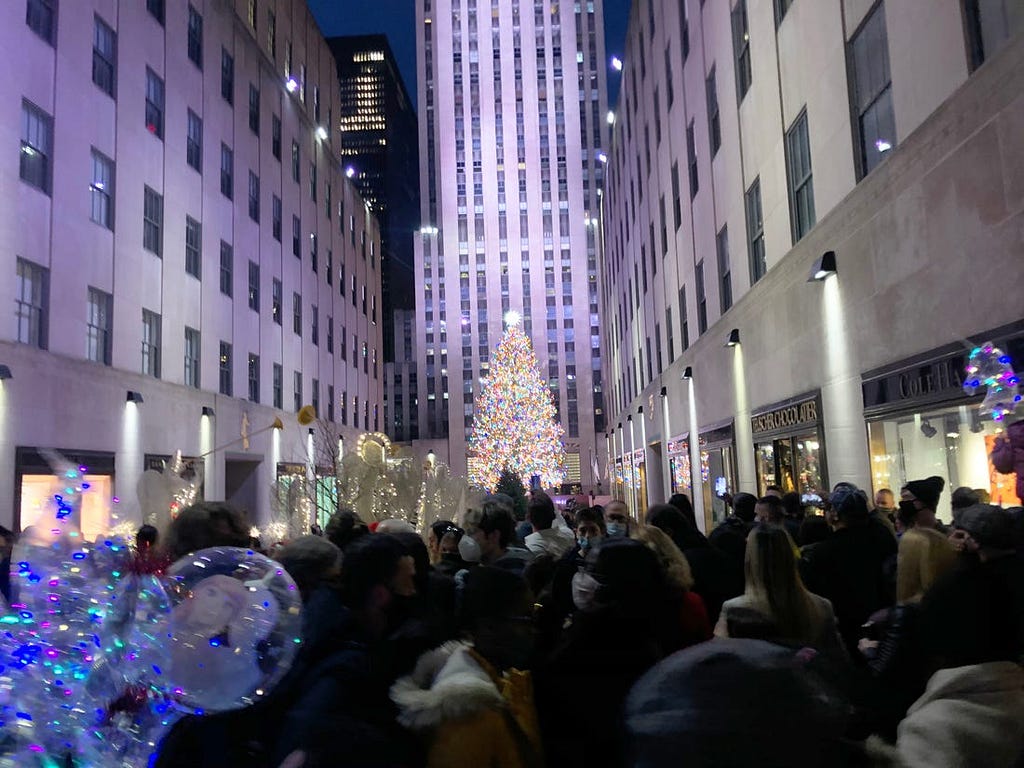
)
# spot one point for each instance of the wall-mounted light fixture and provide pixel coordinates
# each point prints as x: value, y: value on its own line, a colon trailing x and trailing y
x: 664, y: 391
x: 5, y: 373
x: 208, y: 411
x: 134, y: 397
x: 734, y: 338
x: 687, y: 373
x: 823, y: 267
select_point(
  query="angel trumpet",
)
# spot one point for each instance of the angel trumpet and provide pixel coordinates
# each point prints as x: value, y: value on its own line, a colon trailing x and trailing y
x: 306, y: 415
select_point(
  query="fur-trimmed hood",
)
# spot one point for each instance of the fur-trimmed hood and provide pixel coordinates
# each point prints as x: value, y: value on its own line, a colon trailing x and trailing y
x: 447, y: 684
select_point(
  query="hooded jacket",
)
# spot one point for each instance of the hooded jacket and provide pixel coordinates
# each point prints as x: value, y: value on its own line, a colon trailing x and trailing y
x: 1008, y: 455
x: 967, y: 716
x: 469, y: 714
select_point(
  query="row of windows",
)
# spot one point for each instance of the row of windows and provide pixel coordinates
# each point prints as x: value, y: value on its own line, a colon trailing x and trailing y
x: 32, y: 315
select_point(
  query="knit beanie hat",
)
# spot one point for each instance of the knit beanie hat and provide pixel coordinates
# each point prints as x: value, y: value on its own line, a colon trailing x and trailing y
x: 927, y: 491
x: 989, y: 525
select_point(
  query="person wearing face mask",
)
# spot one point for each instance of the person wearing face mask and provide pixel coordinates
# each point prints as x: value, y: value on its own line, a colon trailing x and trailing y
x: 622, y: 602
x: 918, y: 502
x: 492, y: 528
x: 472, y: 701
x: 616, y: 519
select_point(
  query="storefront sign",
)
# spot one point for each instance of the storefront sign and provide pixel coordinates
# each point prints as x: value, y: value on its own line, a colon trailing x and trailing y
x: 788, y: 417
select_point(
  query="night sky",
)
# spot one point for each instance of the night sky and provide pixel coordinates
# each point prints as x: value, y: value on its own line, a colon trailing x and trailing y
x: 397, y: 19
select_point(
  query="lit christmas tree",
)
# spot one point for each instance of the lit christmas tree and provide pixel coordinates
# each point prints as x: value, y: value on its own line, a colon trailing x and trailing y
x: 514, y: 423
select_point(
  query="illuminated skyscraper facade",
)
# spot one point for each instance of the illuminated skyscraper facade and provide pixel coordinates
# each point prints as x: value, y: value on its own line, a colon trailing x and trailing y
x: 512, y: 106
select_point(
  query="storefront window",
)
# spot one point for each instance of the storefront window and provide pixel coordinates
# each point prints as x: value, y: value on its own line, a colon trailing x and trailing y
x: 953, y: 443
x: 791, y: 463
x: 39, y: 508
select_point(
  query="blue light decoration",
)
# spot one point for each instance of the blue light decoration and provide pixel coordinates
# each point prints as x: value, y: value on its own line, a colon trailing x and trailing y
x: 990, y: 367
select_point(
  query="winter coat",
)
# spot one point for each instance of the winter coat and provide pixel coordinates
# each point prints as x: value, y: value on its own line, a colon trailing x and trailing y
x: 968, y: 716
x: 514, y: 559
x: 899, y: 671
x: 551, y: 541
x: 469, y: 714
x: 848, y: 570
x: 826, y: 637
x: 1008, y: 455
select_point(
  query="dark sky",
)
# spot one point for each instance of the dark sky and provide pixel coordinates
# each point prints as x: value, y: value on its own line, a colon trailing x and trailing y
x: 397, y: 19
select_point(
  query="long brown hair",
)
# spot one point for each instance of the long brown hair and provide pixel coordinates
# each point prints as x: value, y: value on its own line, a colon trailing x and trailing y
x: 774, y: 584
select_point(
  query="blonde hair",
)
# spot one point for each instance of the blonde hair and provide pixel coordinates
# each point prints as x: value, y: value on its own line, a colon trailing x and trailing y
x: 924, y: 555
x: 673, y: 562
x: 774, y: 584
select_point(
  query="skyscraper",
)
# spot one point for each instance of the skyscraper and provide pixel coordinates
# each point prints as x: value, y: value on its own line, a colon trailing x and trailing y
x: 380, y: 154
x: 512, y: 105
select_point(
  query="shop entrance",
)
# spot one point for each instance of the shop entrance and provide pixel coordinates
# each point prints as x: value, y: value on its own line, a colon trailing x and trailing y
x: 241, y: 485
x: 791, y: 463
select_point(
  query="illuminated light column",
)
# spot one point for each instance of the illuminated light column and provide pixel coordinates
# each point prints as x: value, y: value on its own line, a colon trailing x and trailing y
x: 207, y: 436
x: 632, y: 467
x: 746, y: 476
x: 696, y: 472
x: 129, y: 466
x: 609, y: 442
x: 6, y: 457
x: 621, y: 456
x: 645, y: 486
x: 842, y: 402
x: 666, y: 464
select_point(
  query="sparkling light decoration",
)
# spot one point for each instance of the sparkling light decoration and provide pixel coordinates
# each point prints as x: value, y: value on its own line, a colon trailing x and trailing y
x: 990, y: 367
x: 514, y: 423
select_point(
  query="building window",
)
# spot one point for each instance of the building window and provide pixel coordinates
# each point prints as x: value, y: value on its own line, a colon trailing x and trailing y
x: 312, y: 181
x: 801, y: 181
x: 151, y: 343
x: 276, y: 300
x: 330, y: 403
x: 194, y: 141
x: 741, y: 48
x: 225, y: 369
x: 990, y: 24
x: 781, y: 6
x: 691, y: 160
x: 314, y: 396
x: 41, y: 17
x: 872, y: 91
x: 714, y: 122
x: 195, y: 37
x: 104, y: 56
x: 254, y: 109
x: 227, y: 172
x: 252, y: 15
x: 343, y: 352
x: 702, y: 299
x: 755, y: 232
x: 254, y: 197
x: 330, y: 335
x: 296, y: 237
x: 295, y: 162
x: 276, y: 217
x: 315, y: 326
x: 296, y: 314
x: 275, y: 136
x: 193, y: 247
x: 156, y: 8
x: 254, y: 286
x: 100, y: 311
x: 36, y: 146
x: 227, y: 76
x: 684, y: 320
x: 272, y: 34
x: 191, y: 358
x: 278, y: 385
x: 227, y: 268
x: 31, y: 303
x: 297, y: 391
x: 724, y: 269
x: 152, y: 222
x: 254, y: 378
x: 101, y: 190
x: 313, y: 252
x: 154, y: 104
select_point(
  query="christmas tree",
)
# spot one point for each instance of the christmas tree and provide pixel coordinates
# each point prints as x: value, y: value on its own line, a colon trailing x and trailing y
x: 514, y: 425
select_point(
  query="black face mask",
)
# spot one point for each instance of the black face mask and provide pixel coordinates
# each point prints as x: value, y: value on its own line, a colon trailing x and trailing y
x: 907, y: 512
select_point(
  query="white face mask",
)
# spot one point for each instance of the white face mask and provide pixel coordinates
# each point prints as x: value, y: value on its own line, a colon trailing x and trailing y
x: 616, y: 529
x: 469, y: 549
x: 584, y: 592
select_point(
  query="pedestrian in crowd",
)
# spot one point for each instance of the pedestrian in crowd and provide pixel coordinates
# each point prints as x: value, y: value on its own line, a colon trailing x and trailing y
x: 617, y: 521
x: 918, y: 501
x: 774, y: 590
x: 344, y: 527
x: 769, y: 510
x: 731, y: 534
x: 813, y: 529
x: 895, y: 653
x: 962, y: 498
x: 492, y: 528
x: 736, y: 703
x: 692, y: 626
x: 435, y: 533
x: 849, y: 568
x: 885, y: 504
x: 311, y: 561
x: 472, y: 701
x: 793, y: 515
x: 773, y: 490
x: 715, y: 578
x: 1008, y: 455
x: 620, y: 601
x: 203, y: 525
x: 547, y: 537
x: 682, y: 502
x: 451, y: 561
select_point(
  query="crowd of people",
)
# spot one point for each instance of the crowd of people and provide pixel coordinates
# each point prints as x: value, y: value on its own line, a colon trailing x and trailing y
x: 866, y: 635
